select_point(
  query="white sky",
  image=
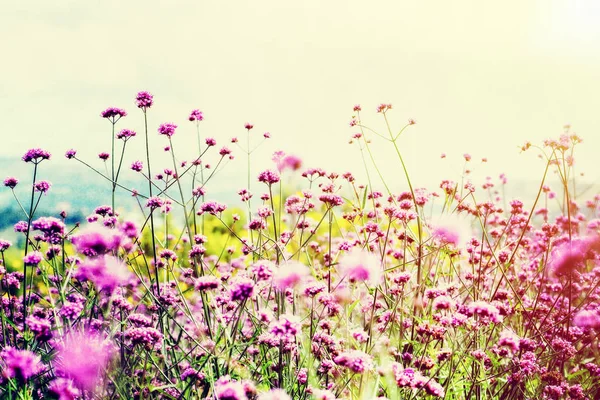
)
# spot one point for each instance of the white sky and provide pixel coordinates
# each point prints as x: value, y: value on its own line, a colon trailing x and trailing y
x: 477, y: 76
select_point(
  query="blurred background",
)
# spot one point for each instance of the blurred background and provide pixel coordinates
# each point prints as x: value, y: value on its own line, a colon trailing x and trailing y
x: 477, y: 77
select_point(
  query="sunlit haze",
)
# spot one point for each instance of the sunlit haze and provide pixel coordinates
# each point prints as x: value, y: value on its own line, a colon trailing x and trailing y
x: 478, y: 78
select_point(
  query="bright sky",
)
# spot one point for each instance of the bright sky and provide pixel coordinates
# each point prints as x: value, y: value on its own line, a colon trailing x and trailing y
x: 478, y: 77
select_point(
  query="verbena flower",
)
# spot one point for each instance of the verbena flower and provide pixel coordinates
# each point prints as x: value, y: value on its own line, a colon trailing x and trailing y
x: 96, y: 240
x: 241, y: 289
x: 360, y: 266
x: 167, y: 129
x: 269, y: 177
x: 144, y: 100
x: 196, y: 115
x: 11, y: 182
x: 125, y: 134
x: 113, y: 114
x: 36, y: 156
x: 82, y: 357
x: 20, y: 364
x: 107, y: 272
x: 42, y: 186
x: 33, y: 258
x: 70, y: 154
x: 290, y: 275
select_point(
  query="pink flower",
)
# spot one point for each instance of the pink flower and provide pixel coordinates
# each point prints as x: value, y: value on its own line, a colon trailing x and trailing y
x: 107, y: 272
x: 360, y: 266
x: 19, y: 364
x: 97, y: 240
x: 356, y: 361
x: 587, y: 319
x: 290, y: 275
x: 83, y: 357
x: 571, y: 256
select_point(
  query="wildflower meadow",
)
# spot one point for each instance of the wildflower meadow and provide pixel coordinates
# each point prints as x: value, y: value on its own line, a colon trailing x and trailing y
x: 337, y: 287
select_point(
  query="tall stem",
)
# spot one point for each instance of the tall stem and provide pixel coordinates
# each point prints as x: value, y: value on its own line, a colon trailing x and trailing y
x: 29, y: 219
x: 185, y: 213
x: 112, y: 159
x: 151, y: 209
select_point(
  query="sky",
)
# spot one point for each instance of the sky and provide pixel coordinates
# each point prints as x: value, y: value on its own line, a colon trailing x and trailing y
x: 477, y: 77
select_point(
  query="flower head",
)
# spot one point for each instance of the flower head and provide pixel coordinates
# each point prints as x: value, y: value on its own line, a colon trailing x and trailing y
x: 107, y: 272
x: 356, y: 361
x: 290, y: 275
x: 70, y: 154
x: 82, y: 357
x: 11, y: 182
x: 269, y: 177
x: 126, y: 134
x: 241, y: 290
x: 361, y: 266
x: 97, y: 240
x: 36, y: 156
x: 196, y: 115
x: 144, y: 100
x: 33, y: 258
x: 19, y: 364
x: 113, y: 114
x: 167, y: 129
x: 137, y: 166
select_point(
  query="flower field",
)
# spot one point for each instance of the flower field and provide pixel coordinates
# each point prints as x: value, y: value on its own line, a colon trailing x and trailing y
x: 338, y: 289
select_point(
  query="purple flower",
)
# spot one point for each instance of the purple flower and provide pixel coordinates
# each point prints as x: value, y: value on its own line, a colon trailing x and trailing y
x: 42, y: 186
x: 63, y: 389
x: 70, y: 154
x: 97, y: 240
x: 269, y: 177
x: 331, y: 200
x: 21, y: 226
x: 53, y: 228
x: 41, y: 328
x: 356, y: 361
x: 140, y: 320
x: 207, y: 282
x: 4, y: 245
x: 229, y: 390
x: 290, y: 275
x: 211, y: 207
x: 248, y: 126
x: 107, y: 272
x: 137, y: 166
x: 196, y: 115
x: 20, y: 364
x: 167, y: 129
x: 154, y: 202
x: 285, y: 328
x: 113, y: 113
x: 33, y: 258
x: 144, y: 100
x: 11, y: 182
x: 224, y: 151
x: 36, y: 156
x: 83, y: 357
x: 360, y: 266
x: 241, y: 290
x: 103, y: 156
x: 210, y: 142
x: 125, y: 134
x: 587, y: 319
x: 150, y: 338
